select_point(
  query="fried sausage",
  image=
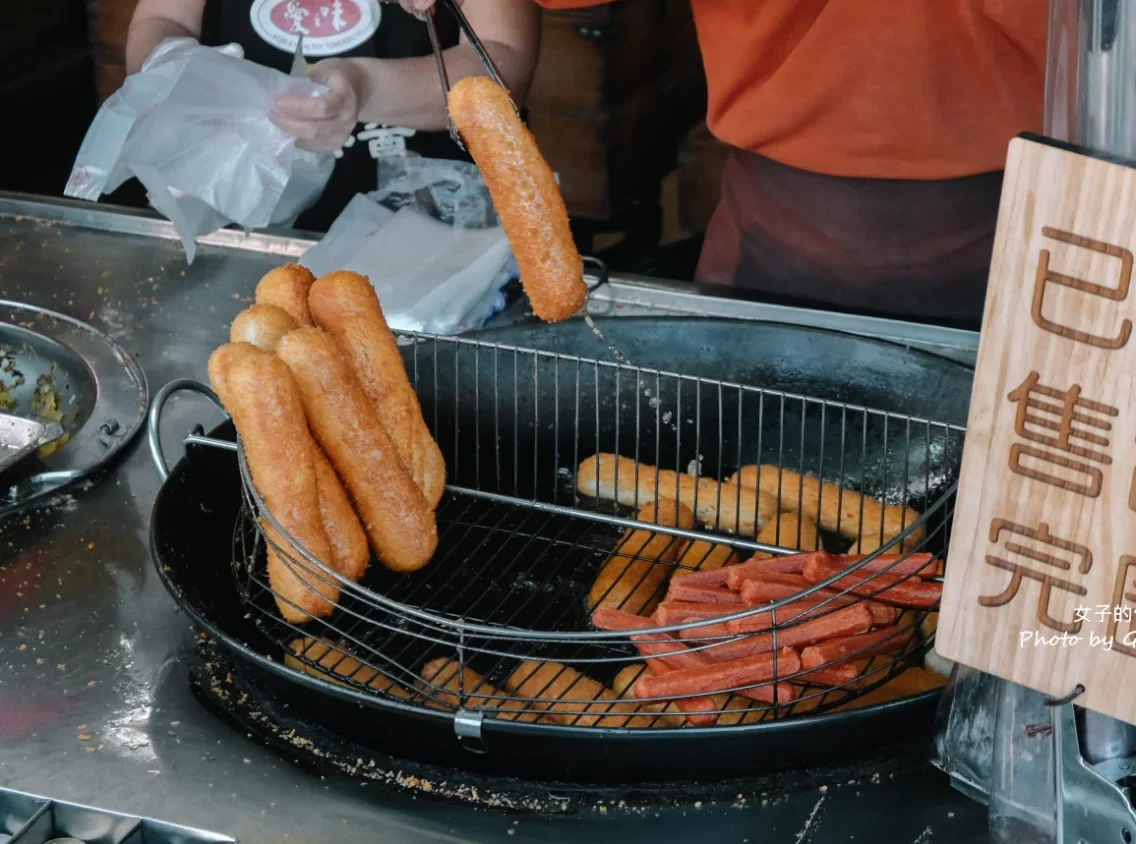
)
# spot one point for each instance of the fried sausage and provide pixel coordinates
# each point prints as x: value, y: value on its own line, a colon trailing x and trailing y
x: 287, y: 288
x: 344, y: 304
x: 862, y: 646
x: 699, y: 594
x: 455, y: 687
x: 633, y: 577
x: 623, y: 685
x: 776, y: 587
x: 261, y: 396
x: 680, y: 612
x: 887, y: 588
x: 399, y: 523
x: 558, y: 690
x: 718, y: 677
x: 860, y: 517
x: 726, y: 507
x: 262, y: 325
x: 525, y: 196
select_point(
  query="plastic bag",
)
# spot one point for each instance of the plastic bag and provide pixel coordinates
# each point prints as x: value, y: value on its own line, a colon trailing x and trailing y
x: 429, y: 242
x: 451, y: 192
x: 194, y: 129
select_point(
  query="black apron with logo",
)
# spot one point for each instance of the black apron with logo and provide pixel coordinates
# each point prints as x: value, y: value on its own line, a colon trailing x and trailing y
x: 267, y: 30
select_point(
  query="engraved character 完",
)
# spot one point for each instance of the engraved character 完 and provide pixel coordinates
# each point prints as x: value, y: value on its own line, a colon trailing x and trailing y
x: 1021, y: 571
x: 1061, y: 421
x: 1123, y: 597
x: 1046, y: 276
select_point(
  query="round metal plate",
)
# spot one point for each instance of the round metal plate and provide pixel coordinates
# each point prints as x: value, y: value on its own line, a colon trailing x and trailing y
x: 101, y: 392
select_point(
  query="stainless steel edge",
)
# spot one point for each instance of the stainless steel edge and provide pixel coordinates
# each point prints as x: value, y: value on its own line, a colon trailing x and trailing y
x: 622, y: 295
x: 112, y: 218
x: 626, y: 295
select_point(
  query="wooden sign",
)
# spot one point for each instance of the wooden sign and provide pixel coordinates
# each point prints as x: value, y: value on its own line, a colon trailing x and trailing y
x: 1041, y: 574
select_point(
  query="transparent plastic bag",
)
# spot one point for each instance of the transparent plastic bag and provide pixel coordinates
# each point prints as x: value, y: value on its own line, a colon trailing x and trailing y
x: 429, y: 242
x: 452, y: 192
x: 194, y: 129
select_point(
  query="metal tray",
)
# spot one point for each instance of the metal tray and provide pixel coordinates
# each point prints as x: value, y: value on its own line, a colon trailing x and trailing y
x: 54, y: 365
x: 20, y: 437
x: 28, y: 819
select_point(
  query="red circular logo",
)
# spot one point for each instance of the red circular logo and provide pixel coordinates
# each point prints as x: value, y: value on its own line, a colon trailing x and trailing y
x: 328, y: 27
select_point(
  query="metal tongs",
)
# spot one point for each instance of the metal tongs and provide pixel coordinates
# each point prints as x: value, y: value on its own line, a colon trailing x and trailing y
x: 478, y: 47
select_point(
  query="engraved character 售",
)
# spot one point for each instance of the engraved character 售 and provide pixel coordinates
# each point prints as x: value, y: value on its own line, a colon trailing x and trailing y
x: 1046, y: 276
x: 1021, y: 571
x: 1061, y: 421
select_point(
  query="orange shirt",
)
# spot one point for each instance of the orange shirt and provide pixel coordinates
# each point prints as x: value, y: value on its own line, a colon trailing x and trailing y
x: 908, y: 89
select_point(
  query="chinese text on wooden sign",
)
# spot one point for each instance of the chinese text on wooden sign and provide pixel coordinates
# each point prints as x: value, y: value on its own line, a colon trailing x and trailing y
x: 1041, y: 574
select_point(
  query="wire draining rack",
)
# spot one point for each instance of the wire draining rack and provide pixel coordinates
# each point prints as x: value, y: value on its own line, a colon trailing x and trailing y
x: 519, y: 547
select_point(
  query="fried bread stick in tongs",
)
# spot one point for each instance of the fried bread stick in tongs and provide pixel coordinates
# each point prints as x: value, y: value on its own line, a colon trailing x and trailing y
x: 478, y: 47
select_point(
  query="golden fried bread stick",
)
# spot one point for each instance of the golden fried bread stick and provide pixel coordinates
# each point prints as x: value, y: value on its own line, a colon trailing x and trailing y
x: 720, y: 506
x: 525, y: 196
x: 398, y: 521
x: 261, y: 396
x: 635, y: 576
x: 287, y: 288
x: 261, y: 325
x: 345, y: 305
x: 839, y: 510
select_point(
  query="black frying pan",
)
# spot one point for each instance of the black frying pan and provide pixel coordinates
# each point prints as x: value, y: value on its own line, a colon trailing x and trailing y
x: 194, y: 515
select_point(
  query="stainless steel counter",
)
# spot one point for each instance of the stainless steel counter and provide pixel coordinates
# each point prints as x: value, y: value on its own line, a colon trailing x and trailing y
x: 95, y: 706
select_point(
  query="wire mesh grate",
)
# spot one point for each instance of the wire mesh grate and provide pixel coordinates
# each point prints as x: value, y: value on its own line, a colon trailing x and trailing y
x: 512, y: 585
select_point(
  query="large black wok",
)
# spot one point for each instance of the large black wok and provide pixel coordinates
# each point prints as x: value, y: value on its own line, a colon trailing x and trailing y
x: 197, y: 507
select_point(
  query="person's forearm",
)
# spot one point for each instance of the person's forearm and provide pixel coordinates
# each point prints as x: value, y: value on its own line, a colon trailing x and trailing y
x: 145, y: 35
x: 407, y: 92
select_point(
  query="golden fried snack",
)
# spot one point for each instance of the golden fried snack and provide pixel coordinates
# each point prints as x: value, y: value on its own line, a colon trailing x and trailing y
x: 669, y: 715
x: 836, y: 509
x: 525, y: 195
x: 398, y: 521
x: 720, y: 506
x: 560, y: 688
x: 344, y: 305
x: 333, y: 660
x: 705, y: 556
x: 913, y: 681
x: 447, y: 681
x: 349, y: 550
x: 260, y: 394
x: 634, y: 577
x: 784, y: 532
x: 287, y: 288
x: 261, y: 325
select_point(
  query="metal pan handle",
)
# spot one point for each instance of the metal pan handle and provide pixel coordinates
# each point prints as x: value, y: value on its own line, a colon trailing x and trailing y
x: 153, y: 423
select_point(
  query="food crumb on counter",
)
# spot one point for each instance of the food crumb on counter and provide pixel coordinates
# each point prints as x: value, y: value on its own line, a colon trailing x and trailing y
x: 84, y: 737
x: 24, y: 647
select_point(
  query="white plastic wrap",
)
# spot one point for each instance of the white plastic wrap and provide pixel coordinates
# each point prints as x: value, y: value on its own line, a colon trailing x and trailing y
x: 193, y: 127
x: 429, y: 242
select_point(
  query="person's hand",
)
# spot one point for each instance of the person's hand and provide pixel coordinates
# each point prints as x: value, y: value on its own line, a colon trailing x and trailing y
x: 419, y: 7
x: 323, y: 123
x: 173, y: 47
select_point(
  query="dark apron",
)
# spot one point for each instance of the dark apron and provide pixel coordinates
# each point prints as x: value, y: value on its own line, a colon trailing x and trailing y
x: 399, y: 35
x: 918, y: 250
